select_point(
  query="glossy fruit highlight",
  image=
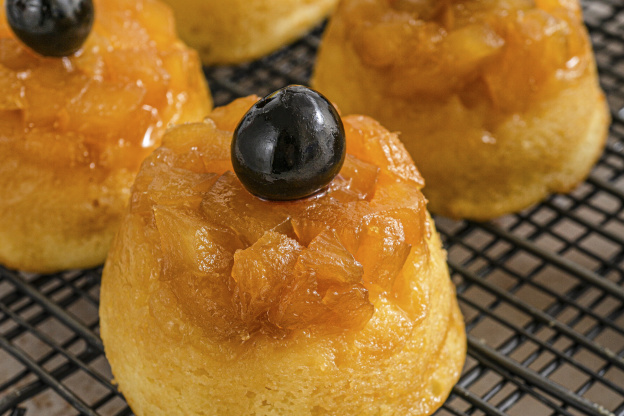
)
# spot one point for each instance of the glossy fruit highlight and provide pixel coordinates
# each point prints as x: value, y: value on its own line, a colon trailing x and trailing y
x: 51, y: 27
x: 289, y: 145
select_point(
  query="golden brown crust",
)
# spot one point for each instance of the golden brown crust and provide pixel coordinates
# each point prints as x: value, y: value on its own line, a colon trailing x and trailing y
x: 498, y: 106
x: 49, y: 223
x: 403, y: 360
x: 242, y: 30
x: 75, y: 129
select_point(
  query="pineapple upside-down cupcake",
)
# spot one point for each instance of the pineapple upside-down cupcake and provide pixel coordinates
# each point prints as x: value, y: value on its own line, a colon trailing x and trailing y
x: 88, y: 91
x: 287, y: 279
x: 234, y: 31
x: 497, y: 101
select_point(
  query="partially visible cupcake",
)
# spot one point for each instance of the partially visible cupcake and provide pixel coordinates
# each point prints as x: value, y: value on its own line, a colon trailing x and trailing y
x: 497, y: 101
x: 234, y: 31
x: 75, y: 129
x: 218, y: 302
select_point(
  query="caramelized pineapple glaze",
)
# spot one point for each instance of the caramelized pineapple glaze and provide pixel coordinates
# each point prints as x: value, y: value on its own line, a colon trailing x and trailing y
x: 496, y: 100
x: 74, y: 131
x: 216, y: 302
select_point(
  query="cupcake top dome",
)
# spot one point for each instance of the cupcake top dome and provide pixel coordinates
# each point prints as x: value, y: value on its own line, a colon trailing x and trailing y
x: 518, y: 50
x: 104, y: 103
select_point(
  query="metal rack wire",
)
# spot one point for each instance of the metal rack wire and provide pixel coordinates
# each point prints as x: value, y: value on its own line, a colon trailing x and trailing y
x: 542, y: 291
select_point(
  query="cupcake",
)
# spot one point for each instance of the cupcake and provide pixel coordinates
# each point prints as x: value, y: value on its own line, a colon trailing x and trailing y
x: 262, y: 268
x: 497, y: 101
x: 242, y: 30
x: 89, y: 90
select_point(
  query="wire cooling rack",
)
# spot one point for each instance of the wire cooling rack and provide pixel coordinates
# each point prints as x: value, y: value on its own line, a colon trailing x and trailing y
x: 542, y: 291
